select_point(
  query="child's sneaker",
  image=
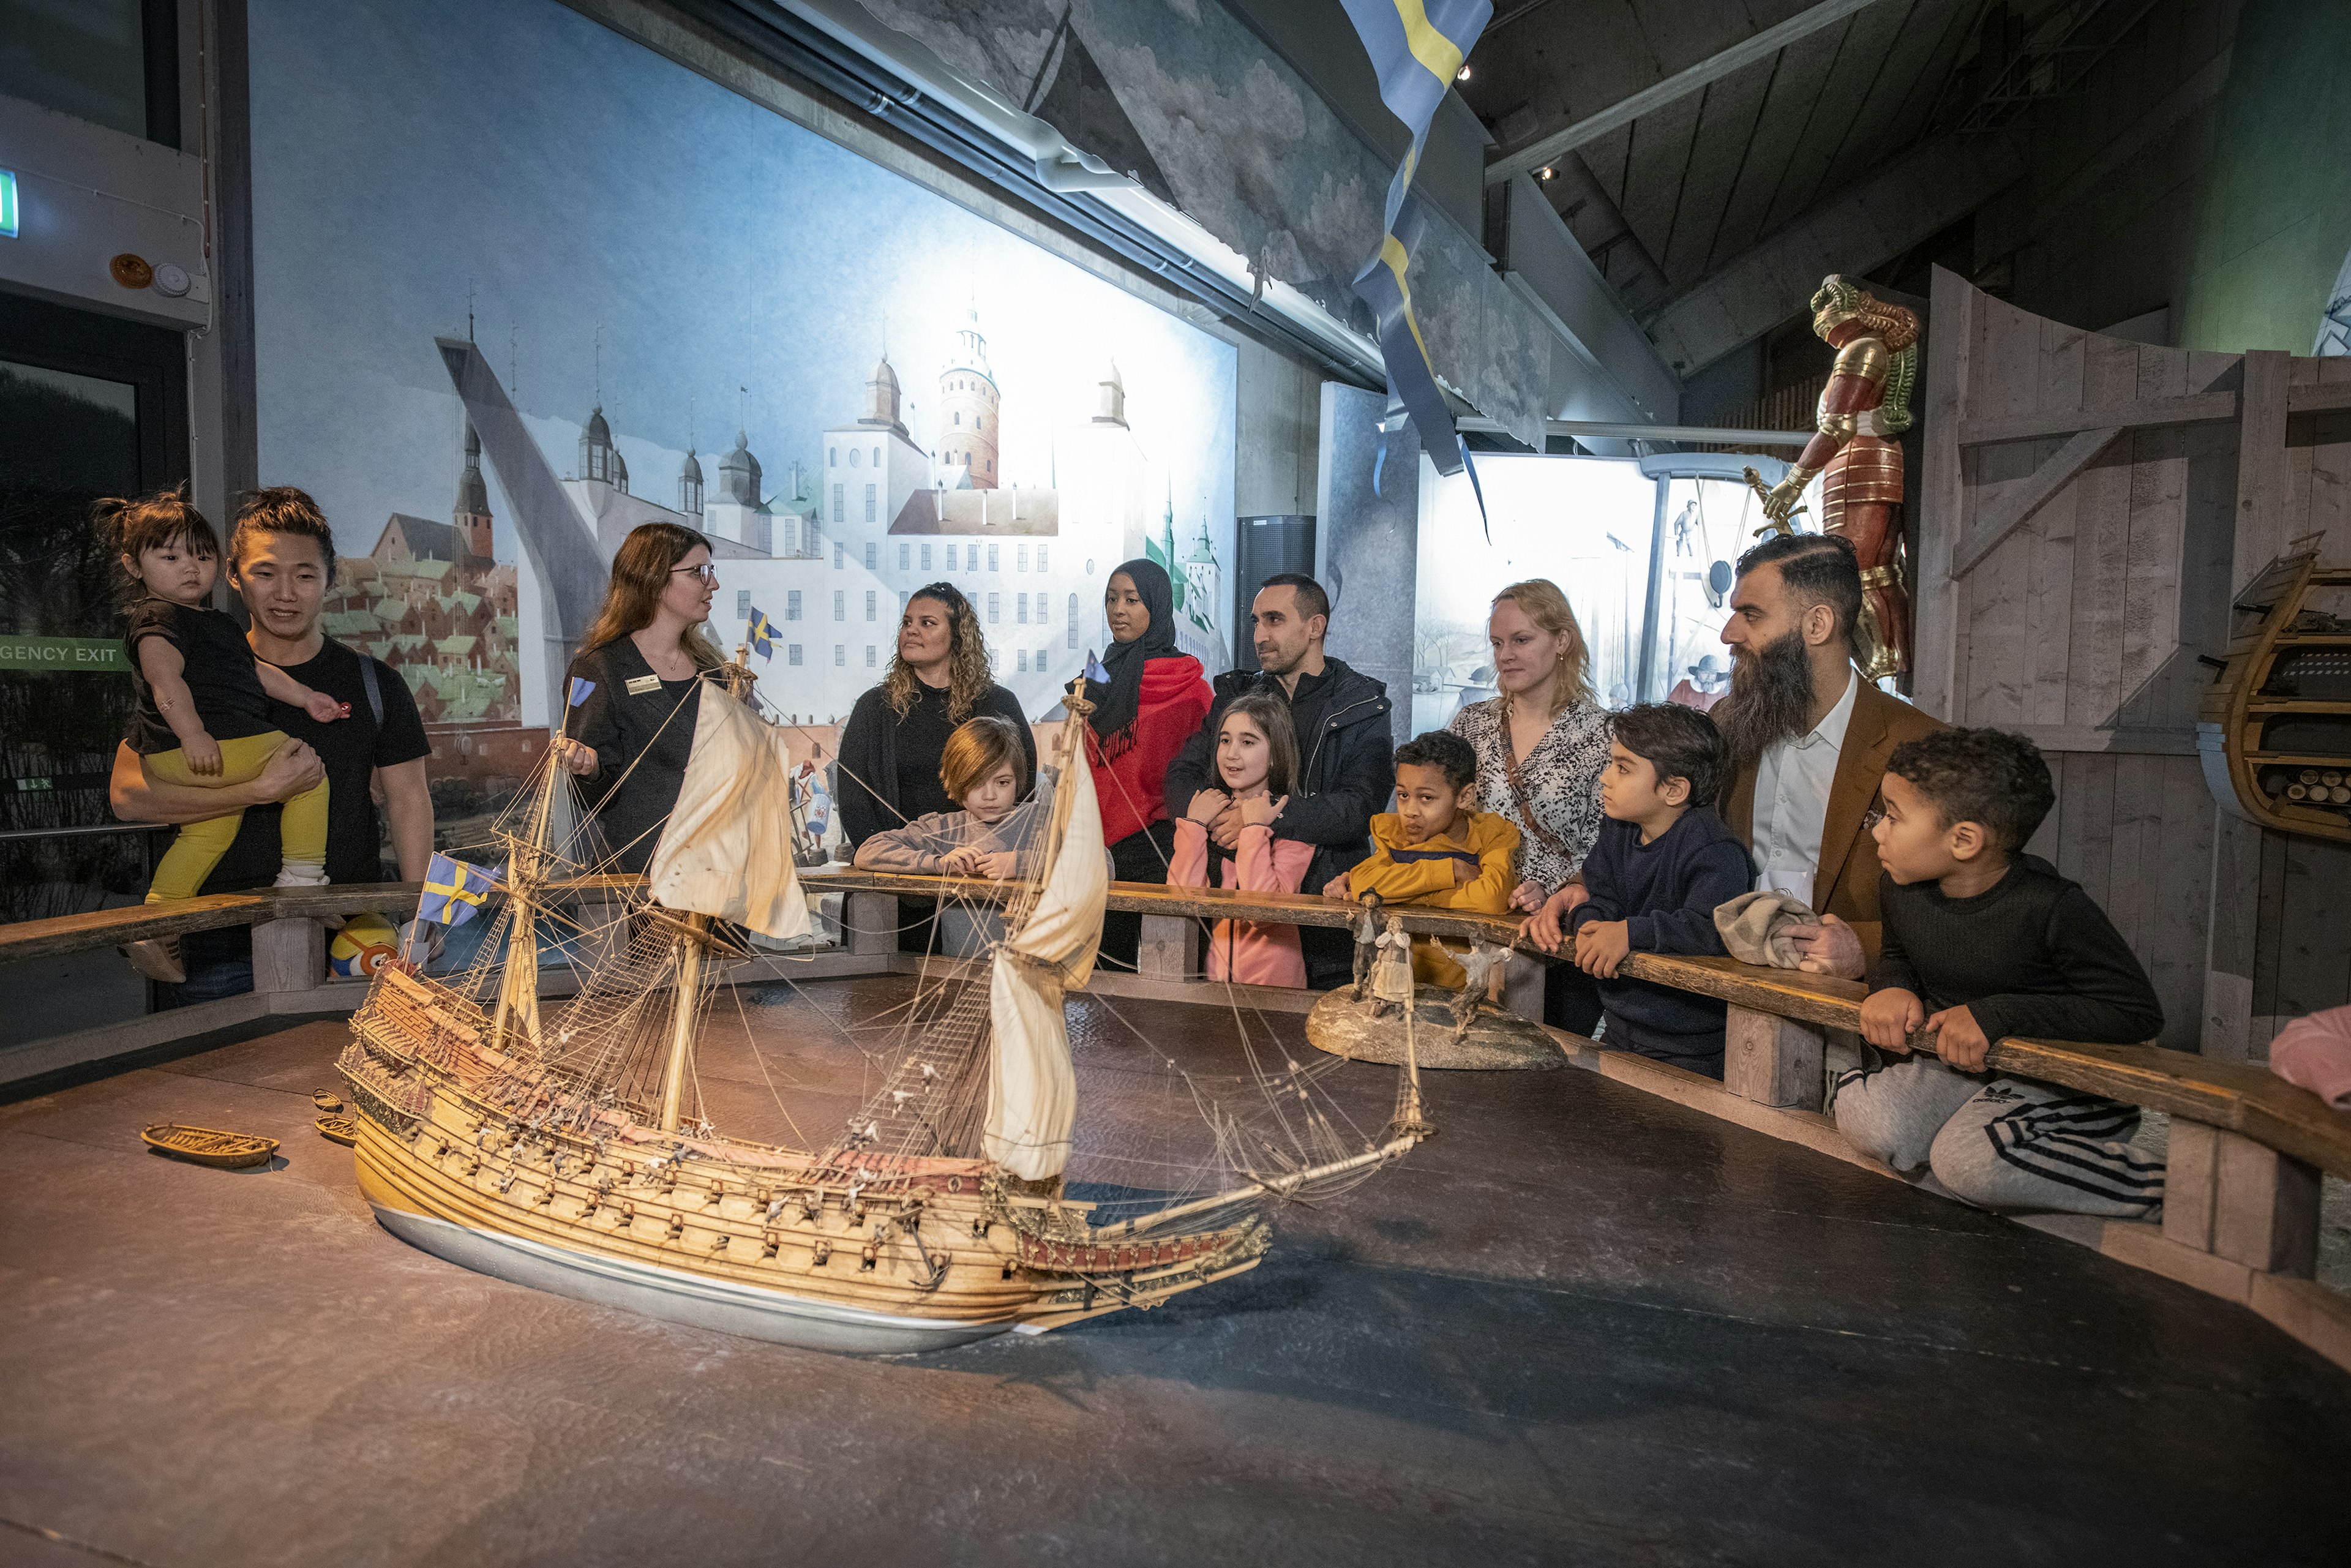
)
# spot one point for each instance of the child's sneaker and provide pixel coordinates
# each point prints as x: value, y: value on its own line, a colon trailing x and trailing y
x: 158, y: 960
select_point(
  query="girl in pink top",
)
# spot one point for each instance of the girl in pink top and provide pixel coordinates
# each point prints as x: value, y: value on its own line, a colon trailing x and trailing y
x: 1256, y: 760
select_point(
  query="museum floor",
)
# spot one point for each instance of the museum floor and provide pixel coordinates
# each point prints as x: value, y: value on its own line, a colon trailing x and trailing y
x: 1582, y: 1324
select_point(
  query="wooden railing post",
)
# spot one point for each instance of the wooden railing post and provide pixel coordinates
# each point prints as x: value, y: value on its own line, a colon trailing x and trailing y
x: 1170, y: 949
x: 289, y: 954
x: 1771, y: 1060
x: 871, y: 923
x: 2235, y: 1199
x: 1522, y: 987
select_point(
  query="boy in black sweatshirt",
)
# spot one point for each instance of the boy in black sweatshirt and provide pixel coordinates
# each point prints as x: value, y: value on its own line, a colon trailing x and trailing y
x: 1983, y: 941
x: 1661, y: 864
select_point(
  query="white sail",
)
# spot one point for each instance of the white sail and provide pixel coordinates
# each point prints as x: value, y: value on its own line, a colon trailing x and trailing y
x: 1032, y: 1093
x: 726, y: 851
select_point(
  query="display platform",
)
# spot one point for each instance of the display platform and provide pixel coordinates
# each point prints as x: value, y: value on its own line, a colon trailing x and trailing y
x: 1584, y: 1323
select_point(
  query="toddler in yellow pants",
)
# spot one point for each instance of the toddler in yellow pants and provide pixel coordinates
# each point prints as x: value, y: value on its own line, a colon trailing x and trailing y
x: 202, y: 715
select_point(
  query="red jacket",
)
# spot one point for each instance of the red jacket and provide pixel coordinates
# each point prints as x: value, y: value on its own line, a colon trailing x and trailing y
x: 1175, y: 702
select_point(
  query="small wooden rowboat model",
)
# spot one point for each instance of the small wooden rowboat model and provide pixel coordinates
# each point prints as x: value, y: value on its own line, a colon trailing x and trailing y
x: 209, y: 1145
x: 341, y: 1130
x: 325, y: 1100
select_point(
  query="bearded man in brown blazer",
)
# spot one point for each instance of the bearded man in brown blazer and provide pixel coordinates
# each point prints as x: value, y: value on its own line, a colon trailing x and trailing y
x: 1809, y: 739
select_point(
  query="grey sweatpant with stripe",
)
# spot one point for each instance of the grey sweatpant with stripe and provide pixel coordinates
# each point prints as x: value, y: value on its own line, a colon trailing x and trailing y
x: 2004, y: 1144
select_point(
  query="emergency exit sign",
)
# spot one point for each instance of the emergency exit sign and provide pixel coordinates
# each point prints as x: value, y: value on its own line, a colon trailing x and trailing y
x: 88, y: 654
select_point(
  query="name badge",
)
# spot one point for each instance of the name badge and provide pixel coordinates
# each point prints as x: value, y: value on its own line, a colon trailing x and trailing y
x: 644, y: 685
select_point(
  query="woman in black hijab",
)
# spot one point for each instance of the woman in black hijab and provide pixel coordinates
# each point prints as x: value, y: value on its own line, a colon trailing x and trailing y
x: 1154, y: 698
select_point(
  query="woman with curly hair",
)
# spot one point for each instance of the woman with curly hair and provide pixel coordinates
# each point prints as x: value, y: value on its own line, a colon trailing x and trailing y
x: 645, y: 660
x: 938, y: 677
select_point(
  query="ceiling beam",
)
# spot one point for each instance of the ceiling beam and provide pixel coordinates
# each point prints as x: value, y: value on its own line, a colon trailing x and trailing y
x: 1904, y: 202
x: 1681, y: 84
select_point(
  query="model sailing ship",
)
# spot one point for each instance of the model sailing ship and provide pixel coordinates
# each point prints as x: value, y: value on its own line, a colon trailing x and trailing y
x: 565, y: 1150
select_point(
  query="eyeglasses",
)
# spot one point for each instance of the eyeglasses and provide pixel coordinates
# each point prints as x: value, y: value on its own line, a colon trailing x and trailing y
x: 707, y: 573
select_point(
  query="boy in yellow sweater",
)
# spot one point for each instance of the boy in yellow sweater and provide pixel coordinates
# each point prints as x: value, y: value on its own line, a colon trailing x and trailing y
x: 1436, y: 848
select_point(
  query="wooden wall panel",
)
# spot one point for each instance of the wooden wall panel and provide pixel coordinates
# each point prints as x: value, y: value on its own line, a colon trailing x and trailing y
x: 2083, y: 629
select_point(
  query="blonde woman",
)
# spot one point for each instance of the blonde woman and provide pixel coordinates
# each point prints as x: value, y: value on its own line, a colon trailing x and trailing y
x: 1540, y: 746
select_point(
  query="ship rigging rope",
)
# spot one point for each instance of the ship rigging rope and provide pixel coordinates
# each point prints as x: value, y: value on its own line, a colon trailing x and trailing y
x: 605, y: 1046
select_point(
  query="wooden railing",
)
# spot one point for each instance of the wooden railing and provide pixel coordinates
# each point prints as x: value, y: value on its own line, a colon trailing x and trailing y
x: 2246, y: 1148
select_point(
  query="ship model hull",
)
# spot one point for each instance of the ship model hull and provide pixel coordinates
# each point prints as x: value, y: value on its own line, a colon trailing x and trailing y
x: 470, y: 1154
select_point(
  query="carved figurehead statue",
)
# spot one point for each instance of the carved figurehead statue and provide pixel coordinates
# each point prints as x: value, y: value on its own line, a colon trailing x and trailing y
x: 1864, y: 411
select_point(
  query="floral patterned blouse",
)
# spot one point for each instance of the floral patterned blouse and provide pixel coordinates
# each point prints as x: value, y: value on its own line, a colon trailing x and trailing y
x: 1561, y: 775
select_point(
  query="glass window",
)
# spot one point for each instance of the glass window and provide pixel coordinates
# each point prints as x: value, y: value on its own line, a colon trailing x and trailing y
x: 992, y: 601
x: 839, y: 654
x: 855, y: 457
x: 926, y: 558
x: 88, y: 60
x: 869, y: 605
x: 877, y: 457
x: 1024, y: 660
x: 792, y: 657
x: 868, y: 655
x: 872, y: 507
x: 839, y: 506
x: 903, y: 597
x: 840, y: 550
x: 742, y: 604
x: 836, y: 457
x: 950, y: 558
x: 792, y: 605
x: 1073, y: 620
x: 992, y: 559
x: 1040, y: 559
x: 1021, y: 608
x: 839, y: 605
x: 906, y: 552
x: 1021, y: 558
x: 1707, y: 523
x: 872, y: 551
x: 1585, y: 523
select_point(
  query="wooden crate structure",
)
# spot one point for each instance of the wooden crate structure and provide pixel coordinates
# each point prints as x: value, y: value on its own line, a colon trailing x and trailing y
x: 2088, y: 508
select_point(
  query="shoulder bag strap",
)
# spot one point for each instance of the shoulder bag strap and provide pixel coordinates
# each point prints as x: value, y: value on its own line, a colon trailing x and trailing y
x: 1543, y: 835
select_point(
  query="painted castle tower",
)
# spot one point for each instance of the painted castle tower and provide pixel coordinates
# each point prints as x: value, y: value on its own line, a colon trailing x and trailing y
x: 968, y: 414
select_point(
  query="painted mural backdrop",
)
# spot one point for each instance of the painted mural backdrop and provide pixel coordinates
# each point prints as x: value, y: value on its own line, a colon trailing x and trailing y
x: 661, y: 302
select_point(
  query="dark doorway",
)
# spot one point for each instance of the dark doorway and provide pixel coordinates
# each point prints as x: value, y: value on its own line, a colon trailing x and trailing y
x: 93, y: 407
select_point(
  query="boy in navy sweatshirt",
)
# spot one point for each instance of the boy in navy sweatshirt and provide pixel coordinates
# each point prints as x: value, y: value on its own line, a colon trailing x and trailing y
x: 1662, y: 862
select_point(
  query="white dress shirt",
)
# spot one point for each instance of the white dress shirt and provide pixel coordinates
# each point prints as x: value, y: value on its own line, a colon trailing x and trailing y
x: 1792, y: 799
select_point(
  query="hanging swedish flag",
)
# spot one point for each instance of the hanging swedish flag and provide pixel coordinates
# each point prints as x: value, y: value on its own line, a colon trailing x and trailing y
x: 1417, y: 49
x: 760, y: 633
x: 454, y: 891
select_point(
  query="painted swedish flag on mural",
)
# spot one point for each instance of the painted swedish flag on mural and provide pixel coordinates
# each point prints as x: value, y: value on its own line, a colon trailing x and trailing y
x: 760, y: 633
x: 454, y: 891
x: 1417, y: 49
